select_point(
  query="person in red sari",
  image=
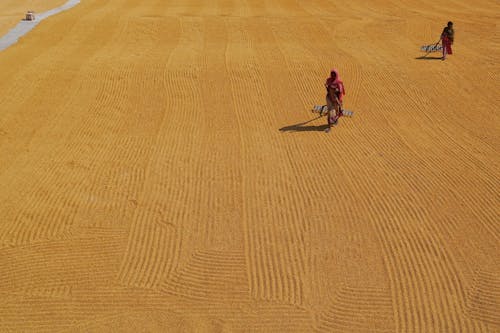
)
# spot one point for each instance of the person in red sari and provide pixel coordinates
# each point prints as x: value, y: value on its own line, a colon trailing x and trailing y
x: 335, y: 92
x: 447, y: 37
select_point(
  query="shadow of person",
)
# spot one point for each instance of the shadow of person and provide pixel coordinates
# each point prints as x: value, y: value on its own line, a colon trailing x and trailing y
x: 301, y: 128
x: 428, y: 58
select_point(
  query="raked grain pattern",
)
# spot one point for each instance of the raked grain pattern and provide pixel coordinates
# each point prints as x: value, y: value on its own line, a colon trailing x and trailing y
x: 160, y: 167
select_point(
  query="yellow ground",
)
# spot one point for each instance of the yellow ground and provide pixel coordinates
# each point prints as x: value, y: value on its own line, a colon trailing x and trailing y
x: 160, y: 169
x: 12, y: 11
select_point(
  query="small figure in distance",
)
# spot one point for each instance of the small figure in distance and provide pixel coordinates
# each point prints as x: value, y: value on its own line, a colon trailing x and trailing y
x: 447, y: 36
x: 334, y: 93
x: 30, y: 15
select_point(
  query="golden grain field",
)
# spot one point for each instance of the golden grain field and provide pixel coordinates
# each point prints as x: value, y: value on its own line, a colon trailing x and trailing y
x: 161, y: 171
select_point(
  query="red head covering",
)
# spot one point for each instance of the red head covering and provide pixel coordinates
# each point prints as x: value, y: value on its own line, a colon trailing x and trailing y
x: 335, y: 83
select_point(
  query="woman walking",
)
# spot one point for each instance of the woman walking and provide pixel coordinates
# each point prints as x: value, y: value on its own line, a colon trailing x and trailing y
x: 447, y: 37
x: 335, y: 92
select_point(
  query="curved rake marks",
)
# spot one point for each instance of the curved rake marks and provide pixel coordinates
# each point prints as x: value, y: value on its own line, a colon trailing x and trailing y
x: 37, y: 222
x: 483, y: 298
x: 210, y: 275
x: 428, y: 292
x: 405, y: 304
x: 360, y: 310
x: 420, y: 144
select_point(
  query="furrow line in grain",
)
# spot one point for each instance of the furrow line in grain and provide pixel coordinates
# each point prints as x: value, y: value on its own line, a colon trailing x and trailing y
x: 280, y: 283
x: 296, y: 271
x: 299, y: 59
x: 146, y: 245
x: 346, y: 313
x: 439, y: 303
x: 199, y: 263
x: 221, y: 257
x: 137, y: 247
x: 483, y: 298
x: 424, y: 184
x: 399, y: 294
x: 443, y: 281
x: 159, y: 261
x: 268, y: 265
x: 171, y: 248
x: 195, y: 280
x: 414, y: 250
x: 374, y: 295
x: 453, y: 282
x: 220, y: 136
x: 416, y: 314
x: 155, y: 264
x: 208, y: 280
x: 416, y: 246
x: 254, y: 275
x: 461, y: 153
x: 447, y: 177
x: 205, y: 262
